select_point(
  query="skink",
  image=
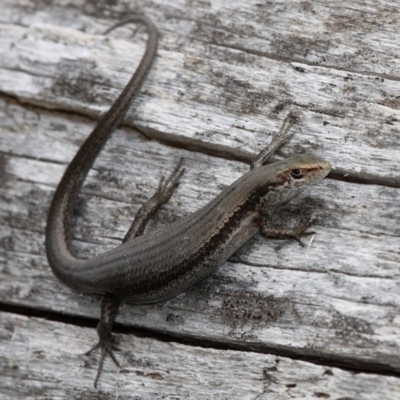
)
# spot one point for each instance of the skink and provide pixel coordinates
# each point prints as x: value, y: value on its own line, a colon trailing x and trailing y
x: 156, y: 266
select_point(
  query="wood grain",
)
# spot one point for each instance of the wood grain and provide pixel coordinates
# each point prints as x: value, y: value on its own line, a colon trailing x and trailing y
x: 43, y: 359
x: 224, y: 79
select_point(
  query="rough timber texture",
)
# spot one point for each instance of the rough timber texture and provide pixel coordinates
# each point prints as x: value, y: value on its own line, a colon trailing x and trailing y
x: 44, y: 358
x: 224, y: 79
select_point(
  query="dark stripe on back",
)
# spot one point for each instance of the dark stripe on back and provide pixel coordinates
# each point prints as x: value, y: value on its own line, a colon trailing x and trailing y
x: 208, y: 249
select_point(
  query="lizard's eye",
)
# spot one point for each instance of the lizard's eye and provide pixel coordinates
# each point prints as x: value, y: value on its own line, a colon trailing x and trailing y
x: 296, y: 173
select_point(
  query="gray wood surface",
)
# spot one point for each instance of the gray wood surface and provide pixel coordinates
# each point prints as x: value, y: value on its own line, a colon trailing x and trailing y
x: 49, y: 364
x: 225, y: 77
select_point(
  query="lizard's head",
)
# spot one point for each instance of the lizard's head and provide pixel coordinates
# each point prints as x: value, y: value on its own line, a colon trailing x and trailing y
x: 289, y: 177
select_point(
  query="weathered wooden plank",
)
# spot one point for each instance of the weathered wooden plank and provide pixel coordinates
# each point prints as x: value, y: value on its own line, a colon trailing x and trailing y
x: 43, y: 359
x: 213, y: 93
